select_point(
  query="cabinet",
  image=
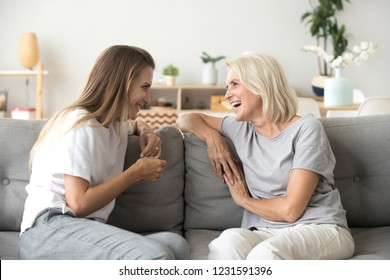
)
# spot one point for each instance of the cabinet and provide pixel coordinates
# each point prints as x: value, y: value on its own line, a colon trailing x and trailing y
x: 39, y: 73
x: 159, y: 116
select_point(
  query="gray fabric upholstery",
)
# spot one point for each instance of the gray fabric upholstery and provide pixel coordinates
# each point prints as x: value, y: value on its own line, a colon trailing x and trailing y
x: 154, y: 206
x: 9, y: 245
x: 16, y: 140
x: 199, y: 240
x: 189, y: 198
x: 371, y: 243
x: 362, y: 173
x: 208, y: 204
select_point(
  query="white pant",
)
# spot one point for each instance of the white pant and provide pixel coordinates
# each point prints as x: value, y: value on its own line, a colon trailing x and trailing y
x: 304, y: 241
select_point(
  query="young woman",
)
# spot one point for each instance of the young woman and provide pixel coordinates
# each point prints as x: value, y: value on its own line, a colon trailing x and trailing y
x: 77, y: 169
x: 292, y: 208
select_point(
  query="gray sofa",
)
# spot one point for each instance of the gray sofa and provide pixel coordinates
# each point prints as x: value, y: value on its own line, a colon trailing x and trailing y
x: 190, y: 200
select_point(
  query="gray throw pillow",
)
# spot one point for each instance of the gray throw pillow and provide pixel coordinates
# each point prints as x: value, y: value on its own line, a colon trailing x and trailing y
x: 208, y: 201
x: 148, y: 207
x: 16, y: 140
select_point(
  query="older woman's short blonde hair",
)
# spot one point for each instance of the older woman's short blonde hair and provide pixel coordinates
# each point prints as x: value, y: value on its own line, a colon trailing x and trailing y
x: 263, y: 75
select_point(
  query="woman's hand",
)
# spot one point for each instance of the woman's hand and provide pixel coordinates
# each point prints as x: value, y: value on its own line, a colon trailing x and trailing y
x: 150, y: 168
x: 84, y: 200
x: 222, y: 159
x: 238, y: 190
x: 150, y: 144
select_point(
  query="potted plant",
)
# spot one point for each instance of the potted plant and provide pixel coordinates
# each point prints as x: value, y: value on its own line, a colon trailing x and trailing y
x: 327, y: 32
x: 170, y: 72
x: 209, y: 73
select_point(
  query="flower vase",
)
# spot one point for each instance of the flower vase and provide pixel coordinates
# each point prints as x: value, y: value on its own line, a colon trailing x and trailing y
x: 338, y: 91
x: 209, y: 74
x: 317, y: 84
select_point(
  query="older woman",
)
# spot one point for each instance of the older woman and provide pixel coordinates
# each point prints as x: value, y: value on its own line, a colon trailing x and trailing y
x: 292, y: 208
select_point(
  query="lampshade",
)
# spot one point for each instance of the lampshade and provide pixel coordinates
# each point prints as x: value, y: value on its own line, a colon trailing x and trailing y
x: 28, y: 50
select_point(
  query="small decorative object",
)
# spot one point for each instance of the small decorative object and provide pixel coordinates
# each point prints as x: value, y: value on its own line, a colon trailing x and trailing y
x: 339, y: 90
x: 170, y: 72
x: 209, y: 73
x: 28, y: 50
x: 23, y: 113
x: 201, y: 105
x: 324, y: 28
x: 187, y: 105
x: 219, y: 103
x: 161, y: 102
x: 3, y: 103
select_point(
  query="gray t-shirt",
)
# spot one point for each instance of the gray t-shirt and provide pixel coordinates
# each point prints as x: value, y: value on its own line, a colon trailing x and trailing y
x: 267, y: 163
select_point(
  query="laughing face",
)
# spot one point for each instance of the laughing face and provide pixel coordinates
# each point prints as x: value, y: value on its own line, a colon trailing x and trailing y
x: 140, y: 91
x: 246, y: 105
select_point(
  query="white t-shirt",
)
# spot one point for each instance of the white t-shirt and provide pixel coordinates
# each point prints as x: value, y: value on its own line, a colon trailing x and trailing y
x: 89, y: 151
x: 267, y: 163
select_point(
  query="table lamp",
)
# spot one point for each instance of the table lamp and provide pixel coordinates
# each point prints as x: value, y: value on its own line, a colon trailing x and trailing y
x: 28, y: 56
x: 28, y: 50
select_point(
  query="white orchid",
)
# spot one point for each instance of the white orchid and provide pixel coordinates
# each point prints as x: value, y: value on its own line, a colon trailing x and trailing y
x: 359, y: 53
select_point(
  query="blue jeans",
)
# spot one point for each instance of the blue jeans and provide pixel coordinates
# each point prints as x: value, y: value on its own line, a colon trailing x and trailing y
x: 58, y: 236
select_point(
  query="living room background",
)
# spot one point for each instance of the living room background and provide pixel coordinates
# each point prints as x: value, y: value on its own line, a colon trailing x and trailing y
x: 72, y: 33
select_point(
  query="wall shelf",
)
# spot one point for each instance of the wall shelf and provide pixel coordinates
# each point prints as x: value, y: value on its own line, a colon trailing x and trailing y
x: 39, y: 73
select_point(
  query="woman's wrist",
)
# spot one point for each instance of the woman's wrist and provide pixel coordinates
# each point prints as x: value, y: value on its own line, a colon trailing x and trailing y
x: 142, y: 128
x: 146, y: 130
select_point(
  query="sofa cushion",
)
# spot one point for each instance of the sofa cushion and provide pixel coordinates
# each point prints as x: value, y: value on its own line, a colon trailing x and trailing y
x: 362, y: 149
x: 9, y: 245
x: 16, y: 141
x: 371, y: 243
x: 149, y: 207
x: 208, y: 204
x: 199, y: 240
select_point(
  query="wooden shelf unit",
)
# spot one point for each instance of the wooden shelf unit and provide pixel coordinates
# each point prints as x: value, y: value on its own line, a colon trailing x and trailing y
x: 39, y: 73
x: 180, y: 89
x: 160, y: 116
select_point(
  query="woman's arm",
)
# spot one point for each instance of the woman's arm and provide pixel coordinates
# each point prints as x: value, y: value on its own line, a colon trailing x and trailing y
x: 208, y: 129
x: 84, y: 199
x: 203, y: 126
x: 288, y: 208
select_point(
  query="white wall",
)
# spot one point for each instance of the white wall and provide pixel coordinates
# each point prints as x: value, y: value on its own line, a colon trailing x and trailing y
x: 72, y: 33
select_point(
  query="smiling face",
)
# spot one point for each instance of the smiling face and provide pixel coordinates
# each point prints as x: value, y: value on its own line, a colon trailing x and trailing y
x: 139, y: 91
x: 246, y: 105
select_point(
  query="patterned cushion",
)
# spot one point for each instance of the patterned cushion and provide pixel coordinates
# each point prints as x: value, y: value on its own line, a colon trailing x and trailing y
x: 157, y: 119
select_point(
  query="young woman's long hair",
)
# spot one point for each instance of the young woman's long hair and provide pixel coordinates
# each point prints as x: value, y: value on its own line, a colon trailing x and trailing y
x: 106, y: 93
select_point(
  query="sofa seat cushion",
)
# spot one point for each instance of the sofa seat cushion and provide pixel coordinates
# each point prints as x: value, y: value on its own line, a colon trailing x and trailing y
x: 9, y: 248
x: 371, y: 243
x: 148, y: 207
x: 199, y: 240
